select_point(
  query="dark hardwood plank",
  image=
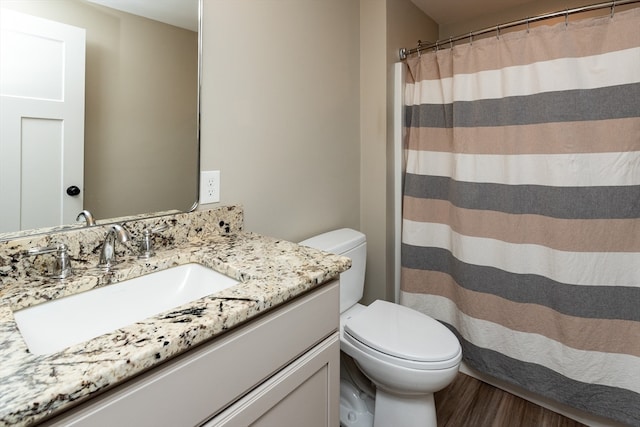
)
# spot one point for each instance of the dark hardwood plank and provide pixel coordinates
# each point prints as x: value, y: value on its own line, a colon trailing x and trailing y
x: 468, y: 402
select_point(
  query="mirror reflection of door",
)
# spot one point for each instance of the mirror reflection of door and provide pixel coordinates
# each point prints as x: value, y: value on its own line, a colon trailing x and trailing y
x: 42, y: 75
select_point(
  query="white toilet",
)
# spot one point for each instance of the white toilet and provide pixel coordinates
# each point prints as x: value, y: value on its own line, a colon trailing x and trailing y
x: 406, y: 354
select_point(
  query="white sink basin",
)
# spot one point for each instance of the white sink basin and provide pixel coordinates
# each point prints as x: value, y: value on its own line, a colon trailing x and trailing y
x: 58, y: 324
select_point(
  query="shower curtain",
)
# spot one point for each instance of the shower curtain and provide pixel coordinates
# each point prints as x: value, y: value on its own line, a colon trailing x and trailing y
x: 521, y: 207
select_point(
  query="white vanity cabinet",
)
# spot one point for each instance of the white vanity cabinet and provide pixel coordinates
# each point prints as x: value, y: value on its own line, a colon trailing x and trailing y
x: 281, y: 369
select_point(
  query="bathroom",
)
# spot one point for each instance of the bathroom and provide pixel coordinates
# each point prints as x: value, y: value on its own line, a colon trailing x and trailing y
x: 296, y: 112
x: 356, y: 150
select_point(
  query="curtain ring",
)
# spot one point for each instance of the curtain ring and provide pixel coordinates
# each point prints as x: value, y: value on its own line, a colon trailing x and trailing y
x: 498, y: 32
x: 470, y: 38
x: 437, y: 45
x: 613, y: 6
x: 566, y: 18
x: 527, y: 25
x: 450, y: 43
x: 418, y: 48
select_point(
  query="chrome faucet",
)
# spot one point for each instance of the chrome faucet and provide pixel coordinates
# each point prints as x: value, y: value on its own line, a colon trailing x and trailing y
x: 87, y: 217
x: 108, y: 252
x: 61, y: 269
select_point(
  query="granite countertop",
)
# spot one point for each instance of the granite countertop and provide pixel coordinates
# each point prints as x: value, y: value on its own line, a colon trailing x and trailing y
x: 270, y: 271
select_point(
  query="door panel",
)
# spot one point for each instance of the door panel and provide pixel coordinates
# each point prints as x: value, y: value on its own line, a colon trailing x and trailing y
x: 42, y: 77
x: 41, y: 141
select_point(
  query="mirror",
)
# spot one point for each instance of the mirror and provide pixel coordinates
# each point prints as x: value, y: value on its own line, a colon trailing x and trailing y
x: 141, y: 129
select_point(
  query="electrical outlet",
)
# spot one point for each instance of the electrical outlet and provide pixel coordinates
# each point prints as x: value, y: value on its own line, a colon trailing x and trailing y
x: 209, y: 187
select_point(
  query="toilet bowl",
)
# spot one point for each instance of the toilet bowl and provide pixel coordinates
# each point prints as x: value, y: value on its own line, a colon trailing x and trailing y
x: 406, y: 354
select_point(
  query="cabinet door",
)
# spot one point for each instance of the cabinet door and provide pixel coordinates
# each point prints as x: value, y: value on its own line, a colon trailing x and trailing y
x: 305, y: 393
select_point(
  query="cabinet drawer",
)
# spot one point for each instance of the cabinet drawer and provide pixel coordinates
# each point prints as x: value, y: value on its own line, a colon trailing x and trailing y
x: 305, y: 393
x: 192, y: 387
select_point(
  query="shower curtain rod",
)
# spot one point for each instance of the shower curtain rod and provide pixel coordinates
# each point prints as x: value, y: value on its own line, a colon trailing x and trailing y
x: 404, y: 53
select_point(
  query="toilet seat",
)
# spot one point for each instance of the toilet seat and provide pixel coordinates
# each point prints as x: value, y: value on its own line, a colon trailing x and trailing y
x: 403, y: 336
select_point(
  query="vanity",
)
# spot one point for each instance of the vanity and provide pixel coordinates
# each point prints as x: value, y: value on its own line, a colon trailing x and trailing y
x: 264, y: 351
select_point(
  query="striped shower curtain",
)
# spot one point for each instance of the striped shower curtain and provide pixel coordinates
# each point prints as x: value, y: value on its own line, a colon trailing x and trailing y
x: 521, y: 207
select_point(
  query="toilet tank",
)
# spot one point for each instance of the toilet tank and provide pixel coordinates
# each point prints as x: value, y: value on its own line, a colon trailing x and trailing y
x: 352, y: 244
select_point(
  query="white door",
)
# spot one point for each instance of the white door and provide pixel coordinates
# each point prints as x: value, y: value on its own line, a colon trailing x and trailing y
x: 42, y: 69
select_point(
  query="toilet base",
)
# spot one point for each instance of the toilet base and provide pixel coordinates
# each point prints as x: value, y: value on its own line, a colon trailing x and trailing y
x: 356, y: 407
x: 404, y: 411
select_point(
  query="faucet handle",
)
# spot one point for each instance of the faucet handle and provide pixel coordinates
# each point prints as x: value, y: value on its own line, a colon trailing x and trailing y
x: 156, y: 230
x: 62, y: 267
x: 146, y: 242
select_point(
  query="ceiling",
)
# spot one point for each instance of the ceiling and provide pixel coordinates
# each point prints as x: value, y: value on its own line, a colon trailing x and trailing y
x: 184, y: 14
x: 180, y: 13
x: 450, y: 11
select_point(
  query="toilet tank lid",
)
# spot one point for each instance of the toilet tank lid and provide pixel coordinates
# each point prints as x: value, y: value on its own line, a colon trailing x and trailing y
x: 336, y: 241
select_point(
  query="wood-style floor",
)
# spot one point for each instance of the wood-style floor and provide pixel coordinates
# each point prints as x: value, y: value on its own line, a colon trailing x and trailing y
x: 468, y: 402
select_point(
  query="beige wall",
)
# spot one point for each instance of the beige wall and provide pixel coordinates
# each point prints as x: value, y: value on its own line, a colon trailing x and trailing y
x: 140, y: 108
x: 406, y: 24
x: 295, y: 115
x: 385, y: 27
x: 373, y: 136
x: 280, y: 112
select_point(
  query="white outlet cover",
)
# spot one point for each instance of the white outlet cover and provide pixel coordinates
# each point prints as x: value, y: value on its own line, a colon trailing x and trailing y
x: 209, y: 187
